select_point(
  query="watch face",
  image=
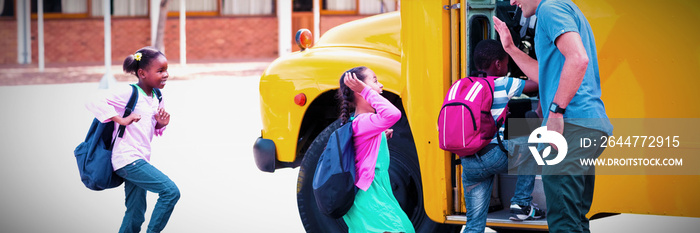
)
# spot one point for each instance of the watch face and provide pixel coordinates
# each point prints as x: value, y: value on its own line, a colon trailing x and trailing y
x: 556, y: 109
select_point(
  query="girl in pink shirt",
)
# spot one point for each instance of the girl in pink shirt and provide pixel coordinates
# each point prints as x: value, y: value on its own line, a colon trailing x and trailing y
x: 375, y: 208
x: 131, y: 153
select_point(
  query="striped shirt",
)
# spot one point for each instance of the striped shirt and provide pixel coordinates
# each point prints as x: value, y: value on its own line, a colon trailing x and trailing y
x: 505, y: 89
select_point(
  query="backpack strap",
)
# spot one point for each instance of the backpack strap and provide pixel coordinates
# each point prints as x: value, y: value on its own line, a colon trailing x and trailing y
x: 498, y: 136
x: 340, y: 154
x: 158, y: 94
x: 490, y: 80
x: 128, y: 109
x: 502, y: 118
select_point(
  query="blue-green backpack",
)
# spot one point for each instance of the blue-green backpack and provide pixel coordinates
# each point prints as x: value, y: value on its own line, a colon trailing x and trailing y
x: 334, y: 180
x: 94, y: 155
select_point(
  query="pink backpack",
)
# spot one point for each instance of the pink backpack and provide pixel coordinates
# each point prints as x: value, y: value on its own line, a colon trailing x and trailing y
x: 465, y: 123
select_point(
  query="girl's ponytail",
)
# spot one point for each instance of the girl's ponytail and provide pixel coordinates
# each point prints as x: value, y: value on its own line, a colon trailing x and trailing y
x: 346, y: 96
x: 130, y: 66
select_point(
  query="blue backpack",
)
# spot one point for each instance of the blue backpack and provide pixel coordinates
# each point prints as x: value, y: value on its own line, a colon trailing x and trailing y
x: 334, y: 180
x: 94, y: 155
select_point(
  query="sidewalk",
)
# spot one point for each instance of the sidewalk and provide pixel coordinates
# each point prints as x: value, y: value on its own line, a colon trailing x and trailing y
x: 11, y: 75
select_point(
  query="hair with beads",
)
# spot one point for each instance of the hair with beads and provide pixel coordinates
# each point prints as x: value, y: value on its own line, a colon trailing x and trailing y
x: 346, y: 96
x: 140, y: 60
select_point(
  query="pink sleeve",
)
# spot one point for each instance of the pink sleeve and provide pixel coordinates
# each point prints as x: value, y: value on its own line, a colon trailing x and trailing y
x: 386, y: 114
x: 107, y: 106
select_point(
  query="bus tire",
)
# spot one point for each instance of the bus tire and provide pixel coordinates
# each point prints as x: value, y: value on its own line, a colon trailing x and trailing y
x: 405, y: 180
x: 312, y: 219
x: 406, y: 183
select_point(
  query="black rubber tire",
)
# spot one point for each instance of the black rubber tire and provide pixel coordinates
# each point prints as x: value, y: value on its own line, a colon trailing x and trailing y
x: 313, y: 220
x: 405, y: 180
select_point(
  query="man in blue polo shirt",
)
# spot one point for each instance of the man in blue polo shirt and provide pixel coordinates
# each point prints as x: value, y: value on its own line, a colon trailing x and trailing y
x: 569, y: 87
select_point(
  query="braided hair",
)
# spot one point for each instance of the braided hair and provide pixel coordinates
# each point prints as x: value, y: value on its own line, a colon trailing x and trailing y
x: 346, y: 96
x: 134, y: 62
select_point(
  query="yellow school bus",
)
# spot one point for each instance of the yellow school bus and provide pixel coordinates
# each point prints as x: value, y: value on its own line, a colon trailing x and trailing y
x: 643, y: 47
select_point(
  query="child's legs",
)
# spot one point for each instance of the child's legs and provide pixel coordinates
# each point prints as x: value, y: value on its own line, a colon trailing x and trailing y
x: 146, y: 176
x: 477, y: 179
x: 526, y: 168
x: 135, y: 208
x: 525, y: 184
x: 523, y: 190
x: 477, y: 195
x: 168, y: 195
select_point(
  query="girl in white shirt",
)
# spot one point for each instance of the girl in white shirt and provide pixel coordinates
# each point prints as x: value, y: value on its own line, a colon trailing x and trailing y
x: 131, y: 153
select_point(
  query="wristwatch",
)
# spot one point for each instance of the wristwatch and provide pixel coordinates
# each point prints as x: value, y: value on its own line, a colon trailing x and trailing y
x: 556, y: 109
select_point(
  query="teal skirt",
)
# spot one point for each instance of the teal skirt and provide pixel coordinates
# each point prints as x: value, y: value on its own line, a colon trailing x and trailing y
x: 376, y: 210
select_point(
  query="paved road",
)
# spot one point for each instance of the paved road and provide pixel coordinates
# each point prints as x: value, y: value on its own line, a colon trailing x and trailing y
x: 207, y: 151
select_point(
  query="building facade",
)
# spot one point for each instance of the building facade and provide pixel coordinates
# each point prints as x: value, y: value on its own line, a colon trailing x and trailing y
x: 215, y: 29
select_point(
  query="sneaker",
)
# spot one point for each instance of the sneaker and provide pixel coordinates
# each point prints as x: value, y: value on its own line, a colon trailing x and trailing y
x: 522, y: 212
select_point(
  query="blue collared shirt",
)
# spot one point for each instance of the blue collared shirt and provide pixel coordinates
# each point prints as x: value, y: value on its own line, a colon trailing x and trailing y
x: 556, y: 17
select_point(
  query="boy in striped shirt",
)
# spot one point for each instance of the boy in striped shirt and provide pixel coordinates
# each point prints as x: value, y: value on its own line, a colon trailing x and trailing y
x: 478, y: 171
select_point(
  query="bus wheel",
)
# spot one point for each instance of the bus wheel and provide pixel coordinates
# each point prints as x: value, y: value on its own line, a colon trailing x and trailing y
x: 405, y: 181
x: 311, y: 217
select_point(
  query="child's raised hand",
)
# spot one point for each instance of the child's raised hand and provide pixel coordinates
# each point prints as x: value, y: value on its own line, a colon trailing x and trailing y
x: 353, y: 83
x: 162, y: 117
x: 389, y: 133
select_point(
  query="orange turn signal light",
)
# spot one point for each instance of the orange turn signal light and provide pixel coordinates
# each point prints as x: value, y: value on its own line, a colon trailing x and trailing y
x: 300, y: 99
x: 304, y: 39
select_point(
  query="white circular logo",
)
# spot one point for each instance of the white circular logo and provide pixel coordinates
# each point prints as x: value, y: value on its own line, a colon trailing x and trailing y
x: 542, y: 135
